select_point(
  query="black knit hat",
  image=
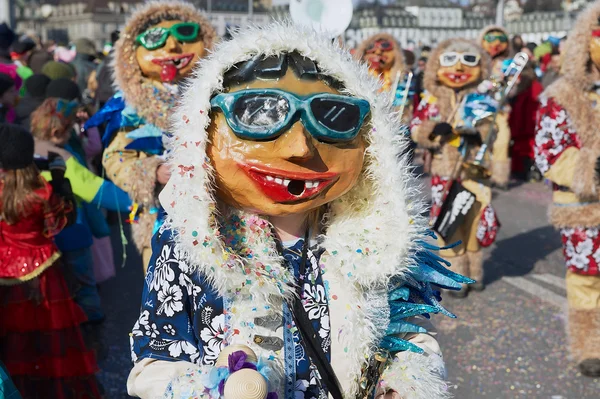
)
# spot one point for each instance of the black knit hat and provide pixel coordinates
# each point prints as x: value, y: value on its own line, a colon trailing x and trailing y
x: 6, y: 82
x: 17, y: 147
x: 7, y: 36
x: 23, y: 46
x: 35, y: 85
x: 63, y: 88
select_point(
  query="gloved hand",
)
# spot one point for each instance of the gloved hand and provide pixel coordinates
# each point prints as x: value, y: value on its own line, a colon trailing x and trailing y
x: 442, y: 129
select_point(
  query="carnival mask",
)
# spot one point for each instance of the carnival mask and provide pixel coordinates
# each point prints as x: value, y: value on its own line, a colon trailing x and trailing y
x: 495, y: 43
x: 458, y: 70
x: 595, y: 47
x: 169, y: 50
x: 380, y: 55
x: 285, y: 146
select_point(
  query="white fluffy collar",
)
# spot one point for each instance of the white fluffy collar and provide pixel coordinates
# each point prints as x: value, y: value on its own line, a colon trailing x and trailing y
x: 372, y: 229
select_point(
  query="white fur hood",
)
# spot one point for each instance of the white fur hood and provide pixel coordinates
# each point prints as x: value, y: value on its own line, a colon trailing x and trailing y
x: 371, y: 230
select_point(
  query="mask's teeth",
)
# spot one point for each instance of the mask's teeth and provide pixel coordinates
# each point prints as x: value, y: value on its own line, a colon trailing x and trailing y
x: 278, y: 180
x: 312, y: 184
x: 286, y: 182
x: 270, y: 178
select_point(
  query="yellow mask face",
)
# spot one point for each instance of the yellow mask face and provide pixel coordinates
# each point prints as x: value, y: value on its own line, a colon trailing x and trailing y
x: 495, y: 43
x: 459, y: 75
x: 290, y: 174
x: 380, y: 55
x: 172, y: 61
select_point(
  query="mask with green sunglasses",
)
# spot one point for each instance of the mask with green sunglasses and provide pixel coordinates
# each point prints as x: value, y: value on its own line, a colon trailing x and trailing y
x: 492, y: 37
x: 155, y: 38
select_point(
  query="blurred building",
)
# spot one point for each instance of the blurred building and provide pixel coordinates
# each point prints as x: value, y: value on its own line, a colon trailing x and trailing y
x: 226, y: 15
x: 67, y: 20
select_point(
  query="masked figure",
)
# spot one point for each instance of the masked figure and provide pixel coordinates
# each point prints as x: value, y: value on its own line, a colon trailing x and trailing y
x: 567, y: 153
x: 440, y: 124
x: 156, y: 51
x: 287, y: 182
x: 495, y: 42
x: 385, y: 59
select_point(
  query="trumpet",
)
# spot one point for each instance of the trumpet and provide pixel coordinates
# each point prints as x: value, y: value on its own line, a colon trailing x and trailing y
x: 501, y: 88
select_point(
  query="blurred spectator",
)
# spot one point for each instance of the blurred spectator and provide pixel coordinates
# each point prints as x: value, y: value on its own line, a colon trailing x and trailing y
x: 38, y: 59
x: 7, y: 36
x: 517, y: 43
x: 104, y: 75
x: 57, y: 70
x: 419, y: 73
x: 20, y: 53
x: 552, y: 70
x: 84, y: 61
x: 35, y: 92
x: 8, y: 98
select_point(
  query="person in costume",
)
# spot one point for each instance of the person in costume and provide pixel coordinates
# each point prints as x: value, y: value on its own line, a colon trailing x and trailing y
x: 495, y: 41
x: 40, y: 338
x: 454, y: 71
x: 386, y: 62
x: 567, y: 153
x: 154, y: 54
x: 287, y: 181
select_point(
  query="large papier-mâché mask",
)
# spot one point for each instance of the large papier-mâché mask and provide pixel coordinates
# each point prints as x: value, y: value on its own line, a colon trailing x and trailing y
x: 380, y: 55
x: 168, y: 51
x: 459, y: 69
x: 273, y: 164
x: 495, y: 42
x: 595, y: 47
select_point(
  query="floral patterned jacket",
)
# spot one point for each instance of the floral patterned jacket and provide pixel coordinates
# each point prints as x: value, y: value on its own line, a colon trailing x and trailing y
x: 183, y: 318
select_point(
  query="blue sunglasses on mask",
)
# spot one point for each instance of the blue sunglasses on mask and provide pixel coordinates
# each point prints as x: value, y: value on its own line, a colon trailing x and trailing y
x: 265, y: 114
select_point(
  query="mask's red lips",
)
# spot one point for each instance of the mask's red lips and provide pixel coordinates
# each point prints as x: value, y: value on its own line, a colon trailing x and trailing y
x: 287, y: 186
x: 171, y: 65
x: 458, y: 77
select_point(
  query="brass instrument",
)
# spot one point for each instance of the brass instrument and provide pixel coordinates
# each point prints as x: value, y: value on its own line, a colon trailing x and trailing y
x: 501, y: 90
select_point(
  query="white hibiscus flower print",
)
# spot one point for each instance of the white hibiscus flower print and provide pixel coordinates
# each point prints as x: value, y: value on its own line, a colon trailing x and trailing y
x: 300, y: 389
x: 186, y: 282
x: 163, y: 273
x: 315, y: 301
x: 213, y: 335
x: 176, y: 348
x: 151, y: 330
x: 170, y: 297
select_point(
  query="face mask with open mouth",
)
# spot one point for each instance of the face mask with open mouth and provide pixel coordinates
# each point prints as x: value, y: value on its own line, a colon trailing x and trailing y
x: 171, y: 65
x: 458, y: 77
x: 286, y: 186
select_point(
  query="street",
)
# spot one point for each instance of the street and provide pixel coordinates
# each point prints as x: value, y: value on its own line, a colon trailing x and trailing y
x: 508, y: 341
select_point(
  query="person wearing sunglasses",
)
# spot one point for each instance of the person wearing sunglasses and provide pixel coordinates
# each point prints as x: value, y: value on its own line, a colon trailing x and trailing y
x: 161, y: 43
x: 567, y: 154
x: 286, y: 184
x: 494, y: 40
x: 454, y: 71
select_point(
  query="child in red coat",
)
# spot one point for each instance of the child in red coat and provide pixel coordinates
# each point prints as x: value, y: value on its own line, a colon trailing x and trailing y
x: 40, y: 340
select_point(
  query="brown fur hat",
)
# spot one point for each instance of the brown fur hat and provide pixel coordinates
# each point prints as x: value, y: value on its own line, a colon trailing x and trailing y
x: 399, y: 62
x: 491, y: 28
x: 579, y: 71
x: 430, y: 80
x: 127, y: 73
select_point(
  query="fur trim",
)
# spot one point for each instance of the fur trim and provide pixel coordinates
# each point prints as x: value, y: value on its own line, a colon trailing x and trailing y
x: 584, y: 325
x: 501, y: 171
x: 575, y: 215
x: 476, y: 271
x: 578, y: 70
x: 441, y: 92
x: 489, y: 28
x: 399, y: 63
x: 138, y: 91
x: 416, y: 376
x: 421, y: 133
x: 444, y: 165
x: 142, y: 231
x: 585, y: 181
x: 143, y: 180
x: 575, y: 101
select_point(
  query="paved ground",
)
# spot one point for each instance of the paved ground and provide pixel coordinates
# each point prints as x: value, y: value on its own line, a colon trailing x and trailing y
x: 508, y: 341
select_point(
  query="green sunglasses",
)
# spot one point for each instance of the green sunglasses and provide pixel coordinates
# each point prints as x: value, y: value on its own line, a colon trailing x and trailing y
x: 155, y: 38
x: 490, y: 38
